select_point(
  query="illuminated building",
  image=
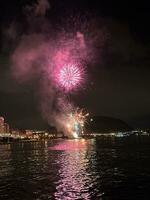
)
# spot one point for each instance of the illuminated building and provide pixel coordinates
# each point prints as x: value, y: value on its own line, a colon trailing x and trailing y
x: 29, y: 133
x: 6, y: 128
x: 2, y: 125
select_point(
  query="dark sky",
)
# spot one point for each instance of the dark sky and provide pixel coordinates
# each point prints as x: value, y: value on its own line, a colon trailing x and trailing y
x: 119, y: 84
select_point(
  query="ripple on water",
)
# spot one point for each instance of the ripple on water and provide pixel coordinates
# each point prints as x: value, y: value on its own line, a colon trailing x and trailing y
x: 75, y: 170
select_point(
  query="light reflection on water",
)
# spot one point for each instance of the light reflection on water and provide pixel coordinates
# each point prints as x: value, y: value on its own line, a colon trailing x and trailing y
x: 75, y: 180
x: 99, y: 169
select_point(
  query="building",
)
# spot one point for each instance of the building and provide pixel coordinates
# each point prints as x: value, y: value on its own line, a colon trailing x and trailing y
x: 29, y: 133
x: 2, y: 127
x: 6, y: 128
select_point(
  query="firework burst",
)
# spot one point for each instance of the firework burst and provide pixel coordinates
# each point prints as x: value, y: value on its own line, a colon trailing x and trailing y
x: 70, y: 77
x: 76, y: 121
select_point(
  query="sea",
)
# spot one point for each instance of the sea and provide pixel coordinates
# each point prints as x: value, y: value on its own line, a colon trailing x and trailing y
x: 104, y: 168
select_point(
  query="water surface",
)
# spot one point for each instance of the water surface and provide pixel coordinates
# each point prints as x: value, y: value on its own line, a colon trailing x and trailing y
x: 92, y: 169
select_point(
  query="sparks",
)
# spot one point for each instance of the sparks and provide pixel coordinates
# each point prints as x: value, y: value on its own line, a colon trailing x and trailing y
x: 75, y: 135
x: 70, y: 77
x: 76, y: 121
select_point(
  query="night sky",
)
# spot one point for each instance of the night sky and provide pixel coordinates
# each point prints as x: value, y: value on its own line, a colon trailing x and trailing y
x: 119, y: 81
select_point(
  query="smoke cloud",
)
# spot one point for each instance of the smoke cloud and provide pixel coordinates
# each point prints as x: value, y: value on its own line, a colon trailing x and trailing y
x: 39, y: 8
x: 37, y: 57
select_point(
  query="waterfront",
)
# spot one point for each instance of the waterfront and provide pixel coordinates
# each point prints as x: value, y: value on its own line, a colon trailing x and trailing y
x: 103, y: 169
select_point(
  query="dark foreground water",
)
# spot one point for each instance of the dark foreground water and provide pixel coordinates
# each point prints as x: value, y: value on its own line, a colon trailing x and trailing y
x: 103, y: 169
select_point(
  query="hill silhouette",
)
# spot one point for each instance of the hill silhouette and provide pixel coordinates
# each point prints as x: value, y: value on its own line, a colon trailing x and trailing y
x: 106, y: 124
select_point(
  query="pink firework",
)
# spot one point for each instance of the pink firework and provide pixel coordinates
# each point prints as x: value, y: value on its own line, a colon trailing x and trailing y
x: 70, y: 77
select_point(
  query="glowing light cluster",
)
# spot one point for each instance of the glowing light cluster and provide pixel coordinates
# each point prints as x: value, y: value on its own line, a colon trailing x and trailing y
x: 76, y: 121
x: 70, y: 77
